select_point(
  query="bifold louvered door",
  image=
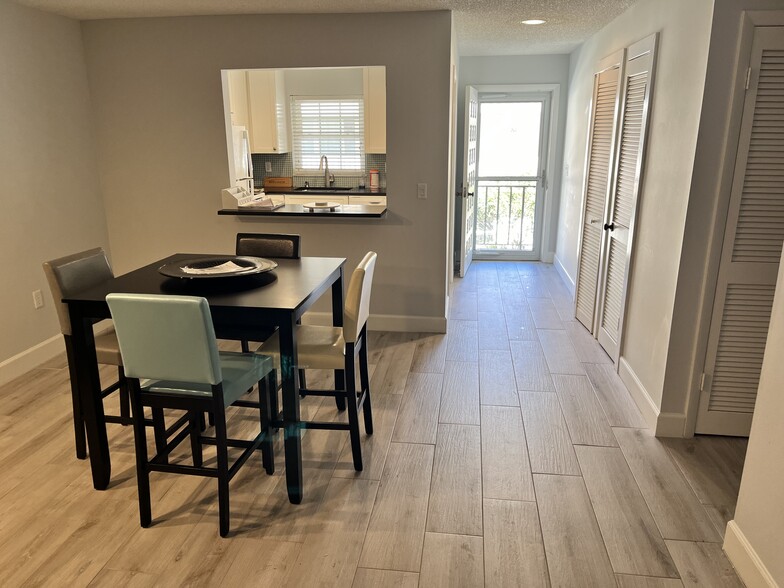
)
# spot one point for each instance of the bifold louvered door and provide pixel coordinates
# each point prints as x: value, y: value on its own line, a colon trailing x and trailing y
x: 599, y: 164
x: 636, y: 87
x: 751, y: 251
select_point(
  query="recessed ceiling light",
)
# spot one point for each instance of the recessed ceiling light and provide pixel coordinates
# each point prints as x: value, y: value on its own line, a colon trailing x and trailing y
x: 533, y: 21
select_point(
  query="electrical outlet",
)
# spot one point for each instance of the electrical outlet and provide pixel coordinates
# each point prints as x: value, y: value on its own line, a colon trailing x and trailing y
x: 268, y: 166
x: 38, y: 299
x: 422, y: 191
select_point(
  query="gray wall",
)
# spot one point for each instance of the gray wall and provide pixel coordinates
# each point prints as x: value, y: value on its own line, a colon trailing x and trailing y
x: 677, y: 99
x: 515, y: 69
x: 156, y: 90
x: 48, y: 175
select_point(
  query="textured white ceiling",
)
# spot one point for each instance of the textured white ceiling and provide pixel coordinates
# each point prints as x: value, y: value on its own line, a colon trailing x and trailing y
x: 484, y: 27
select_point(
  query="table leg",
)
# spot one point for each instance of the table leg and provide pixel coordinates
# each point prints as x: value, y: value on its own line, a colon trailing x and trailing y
x: 337, y: 321
x: 89, y: 382
x: 291, y: 416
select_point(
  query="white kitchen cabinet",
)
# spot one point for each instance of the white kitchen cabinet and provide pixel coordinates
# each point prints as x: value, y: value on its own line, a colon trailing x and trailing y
x: 238, y: 97
x: 367, y: 200
x: 267, y: 107
x: 306, y: 199
x: 375, y: 86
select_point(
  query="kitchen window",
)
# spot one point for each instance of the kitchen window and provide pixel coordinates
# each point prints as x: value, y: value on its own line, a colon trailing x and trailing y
x: 331, y: 126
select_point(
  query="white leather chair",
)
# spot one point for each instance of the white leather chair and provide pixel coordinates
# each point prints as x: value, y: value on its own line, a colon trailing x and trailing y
x: 340, y: 348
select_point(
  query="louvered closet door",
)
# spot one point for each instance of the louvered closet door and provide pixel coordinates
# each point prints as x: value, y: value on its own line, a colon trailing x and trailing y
x: 604, y: 117
x: 635, y: 92
x: 752, y: 249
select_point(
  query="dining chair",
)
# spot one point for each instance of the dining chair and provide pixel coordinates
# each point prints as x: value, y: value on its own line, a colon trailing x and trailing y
x: 172, y: 361
x: 68, y: 275
x: 340, y: 349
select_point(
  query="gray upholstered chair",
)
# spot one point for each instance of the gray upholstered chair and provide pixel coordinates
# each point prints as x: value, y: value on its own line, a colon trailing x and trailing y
x: 268, y: 245
x: 341, y: 348
x: 68, y: 275
x: 172, y: 361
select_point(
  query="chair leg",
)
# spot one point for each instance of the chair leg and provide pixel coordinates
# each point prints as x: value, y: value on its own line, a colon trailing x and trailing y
x: 159, y: 428
x: 245, y: 346
x: 80, y: 437
x: 350, y: 399
x: 302, y: 380
x: 142, y: 473
x: 211, y: 419
x: 223, y: 467
x: 340, y: 384
x: 125, y: 399
x: 196, y: 419
x: 364, y: 381
x: 272, y: 384
x: 266, y: 388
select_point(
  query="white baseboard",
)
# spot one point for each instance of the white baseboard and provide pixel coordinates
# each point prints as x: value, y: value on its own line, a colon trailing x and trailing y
x: 564, y: 274
x: 387, y: 322
x: 663, y: 424
x: 23, y: 362
x: 649, y: 410
x: 744, y: 558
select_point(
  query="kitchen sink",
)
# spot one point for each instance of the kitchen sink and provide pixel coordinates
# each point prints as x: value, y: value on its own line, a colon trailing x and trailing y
x: 320, y: 189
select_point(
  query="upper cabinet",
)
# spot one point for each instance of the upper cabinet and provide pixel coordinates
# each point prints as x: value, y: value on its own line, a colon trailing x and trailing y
x: 267, y: 107
x: 238, y: 97
x: 375, y: 86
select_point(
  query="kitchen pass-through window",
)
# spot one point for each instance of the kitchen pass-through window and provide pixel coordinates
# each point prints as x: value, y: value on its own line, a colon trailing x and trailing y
x: 332, y: 126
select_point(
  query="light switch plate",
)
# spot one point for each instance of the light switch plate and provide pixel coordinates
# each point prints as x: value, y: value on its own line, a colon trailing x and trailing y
x: 38, y: 299
x: 422, y: 191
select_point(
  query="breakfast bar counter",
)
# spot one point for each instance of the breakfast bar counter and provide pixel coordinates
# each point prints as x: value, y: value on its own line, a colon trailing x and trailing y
x: 343, y: 211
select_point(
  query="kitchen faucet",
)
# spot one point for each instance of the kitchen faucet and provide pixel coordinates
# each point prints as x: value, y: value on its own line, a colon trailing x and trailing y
x: 329, y: 178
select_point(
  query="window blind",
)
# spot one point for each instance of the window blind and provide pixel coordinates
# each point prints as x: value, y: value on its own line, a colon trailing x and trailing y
x: 334, y: 127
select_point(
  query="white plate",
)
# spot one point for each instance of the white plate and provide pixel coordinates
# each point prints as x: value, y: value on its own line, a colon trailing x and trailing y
x: 321, y: 205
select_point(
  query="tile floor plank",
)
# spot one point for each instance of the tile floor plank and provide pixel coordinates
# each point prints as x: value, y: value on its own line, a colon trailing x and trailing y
x: 368, y: 578
x: 632, y: 539
x: 559, y: 353
x: 460, y: 394
x: 618, y: 405
x: 626, y: 581
x: 456, y: 491
x: 506, y: 471
x: 513, y: 547
x: 530, y: 367
x: 430, y: 354
x: 394, y: 364
x: 492, y: 331
x: 520, y: 324
x: 463, y: 306
x: 674, y: 506
x: 418, y: 414
x: 462, y: 341
x: 586, y: 347
x: 585, y: 418
x: 703, y: 564
x: 452, y: 561
x: 572, y: 541
x: 549, y: 445
x: 544, y: 314
x: 497, y: 384
x: 397, y: 527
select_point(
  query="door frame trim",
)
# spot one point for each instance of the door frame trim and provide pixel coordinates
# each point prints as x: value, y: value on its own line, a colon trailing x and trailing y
x: 549, y: 210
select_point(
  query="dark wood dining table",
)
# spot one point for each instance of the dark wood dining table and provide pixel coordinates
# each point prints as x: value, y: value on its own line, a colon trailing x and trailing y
x: 240, y: 307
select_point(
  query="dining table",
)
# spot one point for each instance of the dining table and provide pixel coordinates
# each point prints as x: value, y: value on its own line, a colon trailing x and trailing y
x: 241, y: 308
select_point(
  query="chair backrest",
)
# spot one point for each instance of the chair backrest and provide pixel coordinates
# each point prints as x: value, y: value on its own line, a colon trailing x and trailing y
x: 357, y: 306
x: 74, y: 273
x: 268, y: 245
x: 166, y: 337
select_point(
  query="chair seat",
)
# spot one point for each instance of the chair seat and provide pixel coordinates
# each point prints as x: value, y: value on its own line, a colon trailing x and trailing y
x: 241, y: 371
x: 317, y: 347
x: 107, y: 350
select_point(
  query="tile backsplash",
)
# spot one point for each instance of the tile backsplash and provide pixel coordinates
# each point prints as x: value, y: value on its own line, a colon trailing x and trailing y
x: 282, y: 166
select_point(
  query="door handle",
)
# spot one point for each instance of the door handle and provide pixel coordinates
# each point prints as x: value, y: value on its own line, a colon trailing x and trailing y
x: 469, y: 194
x: 610, y: 227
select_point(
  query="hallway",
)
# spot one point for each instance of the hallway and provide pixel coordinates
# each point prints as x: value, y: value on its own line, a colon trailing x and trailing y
x: 506, y: 453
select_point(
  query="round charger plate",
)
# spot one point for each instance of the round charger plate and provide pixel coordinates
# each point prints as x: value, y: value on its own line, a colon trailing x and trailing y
x: 247, y: 266
x: 321, y: 205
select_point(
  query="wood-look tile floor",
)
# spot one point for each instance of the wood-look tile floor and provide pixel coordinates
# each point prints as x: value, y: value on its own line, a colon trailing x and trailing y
x: 506, y: 453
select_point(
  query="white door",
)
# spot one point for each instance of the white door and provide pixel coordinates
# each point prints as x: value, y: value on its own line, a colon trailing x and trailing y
x: 598, y: 167
x: 751, y: 251
x: 636, y: 91
x: 469, y: 179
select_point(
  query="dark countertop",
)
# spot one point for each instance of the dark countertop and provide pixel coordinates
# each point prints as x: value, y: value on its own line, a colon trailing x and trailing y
x: 317, y: 190
x: 344, y: 211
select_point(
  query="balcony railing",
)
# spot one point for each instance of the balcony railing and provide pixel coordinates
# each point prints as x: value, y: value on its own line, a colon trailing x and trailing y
x: 505, y: 214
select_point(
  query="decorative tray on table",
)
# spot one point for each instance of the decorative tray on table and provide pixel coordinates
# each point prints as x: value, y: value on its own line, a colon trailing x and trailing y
x: 217, y: 267
x: 321, y: 206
